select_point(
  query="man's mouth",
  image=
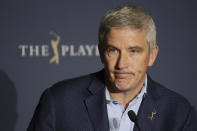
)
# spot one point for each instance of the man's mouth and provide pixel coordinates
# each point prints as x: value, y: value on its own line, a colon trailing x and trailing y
x: 123, y: 75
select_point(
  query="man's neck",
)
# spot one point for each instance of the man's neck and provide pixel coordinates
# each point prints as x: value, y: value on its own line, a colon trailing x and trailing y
x: 125, y: 97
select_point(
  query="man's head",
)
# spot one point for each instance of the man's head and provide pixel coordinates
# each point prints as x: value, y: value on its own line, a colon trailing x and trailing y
x: 127, y: 46
x: 128, y: 16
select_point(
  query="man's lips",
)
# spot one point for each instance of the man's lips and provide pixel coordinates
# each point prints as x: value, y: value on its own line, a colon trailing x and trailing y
x: 123, y: 75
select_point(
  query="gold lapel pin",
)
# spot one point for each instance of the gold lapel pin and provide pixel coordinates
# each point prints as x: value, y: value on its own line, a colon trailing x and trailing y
x: 152, y: 115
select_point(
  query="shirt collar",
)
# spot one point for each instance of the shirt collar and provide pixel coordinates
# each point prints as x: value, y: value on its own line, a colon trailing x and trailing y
x: 141, y: 94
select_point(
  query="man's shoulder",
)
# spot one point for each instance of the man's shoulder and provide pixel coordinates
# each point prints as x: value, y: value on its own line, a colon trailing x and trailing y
x: 76, y: 84
x: 169, y: 97
x: 171, y: 106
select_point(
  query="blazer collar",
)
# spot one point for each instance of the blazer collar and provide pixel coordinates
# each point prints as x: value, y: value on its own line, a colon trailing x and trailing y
x: 148, y: 113
x: 98, y: 82
x: 96, y: 103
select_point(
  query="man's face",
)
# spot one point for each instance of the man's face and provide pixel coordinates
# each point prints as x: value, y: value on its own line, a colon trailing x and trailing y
x: 126, y: 57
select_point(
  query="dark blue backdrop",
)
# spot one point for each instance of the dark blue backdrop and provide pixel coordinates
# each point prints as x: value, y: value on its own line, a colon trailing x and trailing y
x: 26, y: 51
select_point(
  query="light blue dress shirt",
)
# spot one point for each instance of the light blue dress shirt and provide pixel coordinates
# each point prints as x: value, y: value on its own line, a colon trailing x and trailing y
x: 118, y: 116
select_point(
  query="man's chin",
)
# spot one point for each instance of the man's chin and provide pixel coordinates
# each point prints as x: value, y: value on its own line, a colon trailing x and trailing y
x: 121, y: 87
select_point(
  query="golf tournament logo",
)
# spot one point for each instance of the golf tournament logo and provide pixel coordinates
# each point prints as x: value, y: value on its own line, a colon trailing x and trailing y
x: 54, y: 44
x: 55, y: 49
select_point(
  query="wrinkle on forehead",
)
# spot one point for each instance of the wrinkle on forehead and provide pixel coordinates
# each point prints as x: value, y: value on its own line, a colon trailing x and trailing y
x: 126, y: 38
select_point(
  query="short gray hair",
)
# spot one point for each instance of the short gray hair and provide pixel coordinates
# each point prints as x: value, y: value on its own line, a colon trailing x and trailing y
x: 128, y: 16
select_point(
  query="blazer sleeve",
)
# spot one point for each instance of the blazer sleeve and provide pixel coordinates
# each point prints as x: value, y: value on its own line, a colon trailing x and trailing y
x: 44, y: 115
x: 191, y: 122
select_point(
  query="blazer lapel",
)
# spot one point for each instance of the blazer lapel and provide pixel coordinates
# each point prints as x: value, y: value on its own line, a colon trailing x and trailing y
x: 96, y: 105
x: 148, y: 113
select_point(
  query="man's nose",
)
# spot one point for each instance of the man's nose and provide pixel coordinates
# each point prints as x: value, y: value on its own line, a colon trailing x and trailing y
x: 122, y: 61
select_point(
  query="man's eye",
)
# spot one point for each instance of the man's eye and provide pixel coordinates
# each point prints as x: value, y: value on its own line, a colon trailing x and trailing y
x: 134, y: 51
x: 111, y: 50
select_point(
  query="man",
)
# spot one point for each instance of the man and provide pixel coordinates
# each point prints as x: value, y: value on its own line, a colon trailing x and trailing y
x: 101, y: 101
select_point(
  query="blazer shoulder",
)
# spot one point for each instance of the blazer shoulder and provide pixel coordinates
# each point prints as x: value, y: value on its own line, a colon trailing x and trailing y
x: 169, y: 96
x: 172, y: 107
x: 75, y: 85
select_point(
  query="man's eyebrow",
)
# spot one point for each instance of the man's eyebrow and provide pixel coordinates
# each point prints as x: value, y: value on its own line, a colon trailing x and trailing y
x: 130, y: 48
x: 110, y: 45
x: 136, y: 47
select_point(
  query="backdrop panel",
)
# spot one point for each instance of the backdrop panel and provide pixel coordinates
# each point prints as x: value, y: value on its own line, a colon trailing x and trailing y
x: 45, y: 41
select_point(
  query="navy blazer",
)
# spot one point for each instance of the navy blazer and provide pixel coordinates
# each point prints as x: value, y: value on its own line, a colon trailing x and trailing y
x: 79, y: 104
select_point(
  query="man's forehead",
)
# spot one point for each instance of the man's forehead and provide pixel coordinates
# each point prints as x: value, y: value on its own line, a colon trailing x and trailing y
x: 125, y: 32
x: 131, y: 36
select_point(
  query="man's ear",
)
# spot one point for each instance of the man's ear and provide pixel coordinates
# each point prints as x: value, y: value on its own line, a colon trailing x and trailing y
x: 153, y: 55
